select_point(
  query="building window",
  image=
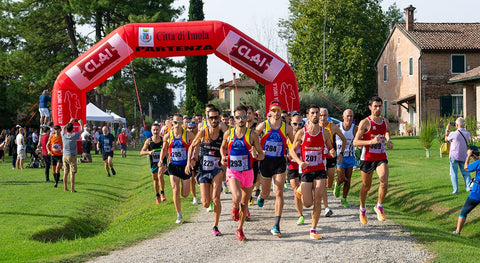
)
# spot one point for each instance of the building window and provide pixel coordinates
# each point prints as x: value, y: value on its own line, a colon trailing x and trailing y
x: 410, y: 66
x: 385, y: 76
x: 399, y: 69
x: 385, y: 112
x: 458, y: 64
x: 451, y: 105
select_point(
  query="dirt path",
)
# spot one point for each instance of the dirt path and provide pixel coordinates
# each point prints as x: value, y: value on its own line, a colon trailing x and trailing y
x: 345, y: 239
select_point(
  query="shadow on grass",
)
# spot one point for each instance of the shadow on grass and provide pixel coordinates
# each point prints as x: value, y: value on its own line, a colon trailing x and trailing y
x: 89, y: 223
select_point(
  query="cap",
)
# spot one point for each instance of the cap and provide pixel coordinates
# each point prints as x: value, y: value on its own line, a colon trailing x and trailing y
x: 186, y: 117
x: 192, y: 124
x: 294, y: 113
x: 275, y: 105
x: 56, y: 127
x: 18, y: 126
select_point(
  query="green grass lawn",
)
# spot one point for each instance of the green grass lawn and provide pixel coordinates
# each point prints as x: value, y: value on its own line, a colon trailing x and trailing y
x: 420, y: 198
x: 42, y: 223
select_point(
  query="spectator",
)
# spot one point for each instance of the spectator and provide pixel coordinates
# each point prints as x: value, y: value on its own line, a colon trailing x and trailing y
x: 123, y: 141
x: 134, y: 134
x: 20, y: 141
x: 3, y: 144
x: 458, y: 153
x: 69, y: 159
x: 12, y: 146
x: 86, y: 148
x: 141, y: 135
x: 43, y: 108
x: 96, y: 135
x: 46, y: 156
x: 147, y: 133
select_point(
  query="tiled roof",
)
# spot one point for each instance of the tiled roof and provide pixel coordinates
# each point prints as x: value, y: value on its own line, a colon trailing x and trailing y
x: 473, y: 74
x: 444, y: 36
x: 247, y: 82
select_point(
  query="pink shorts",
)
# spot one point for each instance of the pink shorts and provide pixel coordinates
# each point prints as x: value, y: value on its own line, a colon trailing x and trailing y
x: 245, y: 177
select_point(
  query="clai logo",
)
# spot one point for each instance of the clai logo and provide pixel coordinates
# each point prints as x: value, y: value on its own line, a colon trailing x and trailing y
x: 98, y: 61
x: 146, y: 36
x: 251, y: 55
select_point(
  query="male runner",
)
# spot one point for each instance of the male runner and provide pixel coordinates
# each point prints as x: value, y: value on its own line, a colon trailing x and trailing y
x: 176, y: 143
x: 331, y: 161
x: 106, y: 144
x: 345, y: 168
x: 312, y: 139
x: 372, y: 134
x: 274, y: 133
x: 293, y: 175
x: 240, y: 145
x: 206, y: 147
x: 152, y: 148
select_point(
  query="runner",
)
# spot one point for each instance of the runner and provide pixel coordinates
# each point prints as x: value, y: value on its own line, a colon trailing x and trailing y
x: 240, y: 145
x: 293, y: 175
x: 372, y: 133
x: 123, y: 141
x: 206, y: 147
x: 176, y: 143
x: 274, y: 133
x: 331, y: 161
x: 152, y: 148
x: 312, y: 139
x: 251, y: 124
x: 345, y: 168
x: 192, y: 127
x: 55, y: 149
x: 106, y: 144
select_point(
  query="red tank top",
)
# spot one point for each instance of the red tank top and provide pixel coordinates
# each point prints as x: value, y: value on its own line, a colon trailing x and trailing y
x: 377, y: 151
x: 313, y: 151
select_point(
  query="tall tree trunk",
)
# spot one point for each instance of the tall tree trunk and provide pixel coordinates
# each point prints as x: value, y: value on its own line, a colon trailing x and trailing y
x: 70, y: 25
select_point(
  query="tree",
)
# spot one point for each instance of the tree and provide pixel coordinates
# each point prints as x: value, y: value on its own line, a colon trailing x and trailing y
x: 196, y: 72
x: 355, y: 31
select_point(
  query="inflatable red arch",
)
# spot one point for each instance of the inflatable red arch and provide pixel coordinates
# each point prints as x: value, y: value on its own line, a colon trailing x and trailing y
x: 168, y: 40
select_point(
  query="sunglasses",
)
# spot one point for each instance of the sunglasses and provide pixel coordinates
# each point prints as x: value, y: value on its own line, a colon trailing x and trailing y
x: 175, y: 122
x: 241, y: 117
x: 276, y: 110
x: 190, y: 128
x: 213, y: 117
x: 297, y: 123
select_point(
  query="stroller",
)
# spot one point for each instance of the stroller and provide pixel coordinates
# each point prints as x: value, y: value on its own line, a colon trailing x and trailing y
x: 36, y: 160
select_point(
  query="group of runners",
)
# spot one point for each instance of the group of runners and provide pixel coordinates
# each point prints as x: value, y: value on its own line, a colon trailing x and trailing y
x: 251, y: 152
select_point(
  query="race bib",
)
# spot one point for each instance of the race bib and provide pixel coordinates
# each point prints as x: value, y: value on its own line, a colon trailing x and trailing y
x: 107, y: 148
x: 179, y: 154
x: 378, y: 147
x: 314, y: 158
x: 209, y: 163
x: 273, y: 149
x: 156, y: 157
x: 56, y: 147
x: 239, y: 163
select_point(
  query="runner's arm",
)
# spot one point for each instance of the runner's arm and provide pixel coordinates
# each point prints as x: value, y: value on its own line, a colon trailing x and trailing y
x: 163, y: 153
x: 144, y: 150
x: 223, y: 148
x: 257, y: 147
x: 296, y: 143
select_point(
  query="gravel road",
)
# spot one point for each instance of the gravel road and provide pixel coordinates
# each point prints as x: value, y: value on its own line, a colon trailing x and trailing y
x: 345, y: 239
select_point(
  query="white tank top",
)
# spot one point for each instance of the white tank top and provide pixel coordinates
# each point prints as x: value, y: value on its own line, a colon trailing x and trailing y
x: 349, y: 136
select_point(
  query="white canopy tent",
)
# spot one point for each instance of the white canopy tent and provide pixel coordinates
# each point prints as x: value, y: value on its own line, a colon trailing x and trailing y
x: 96, y: 114
x: 117, y: 118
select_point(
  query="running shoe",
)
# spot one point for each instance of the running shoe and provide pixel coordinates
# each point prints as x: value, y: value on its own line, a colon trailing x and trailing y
x: 275, y: 231
x: 235, y: 214
x: 194, y: 200
x: 328, y: 212
x: 113, y: 171
x: 260, y: 201
x: 158, y: 200
x: 251, y: 201
x: 336, y: 190
x: 163, y: 197
x: 285, y: 186
x: 225, y: 189
x: 299, y: 193
x: 210, y: 207
x: 345, y: 203
x: 179, y: 220
x: 379, y: 211
x: 363, y: 217
x: 301, y: 220
x: 248, y: 217
x: 216, y: 232
x: 456, y: 233
x: 240, y: 235
x: 314, y: 235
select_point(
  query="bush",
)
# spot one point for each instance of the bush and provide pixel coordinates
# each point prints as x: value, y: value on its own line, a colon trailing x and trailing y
x: 337, y: 97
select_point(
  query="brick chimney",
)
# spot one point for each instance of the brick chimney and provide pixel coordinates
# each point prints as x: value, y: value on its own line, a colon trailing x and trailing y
x: 409, y: 11
x: 222, y: 81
